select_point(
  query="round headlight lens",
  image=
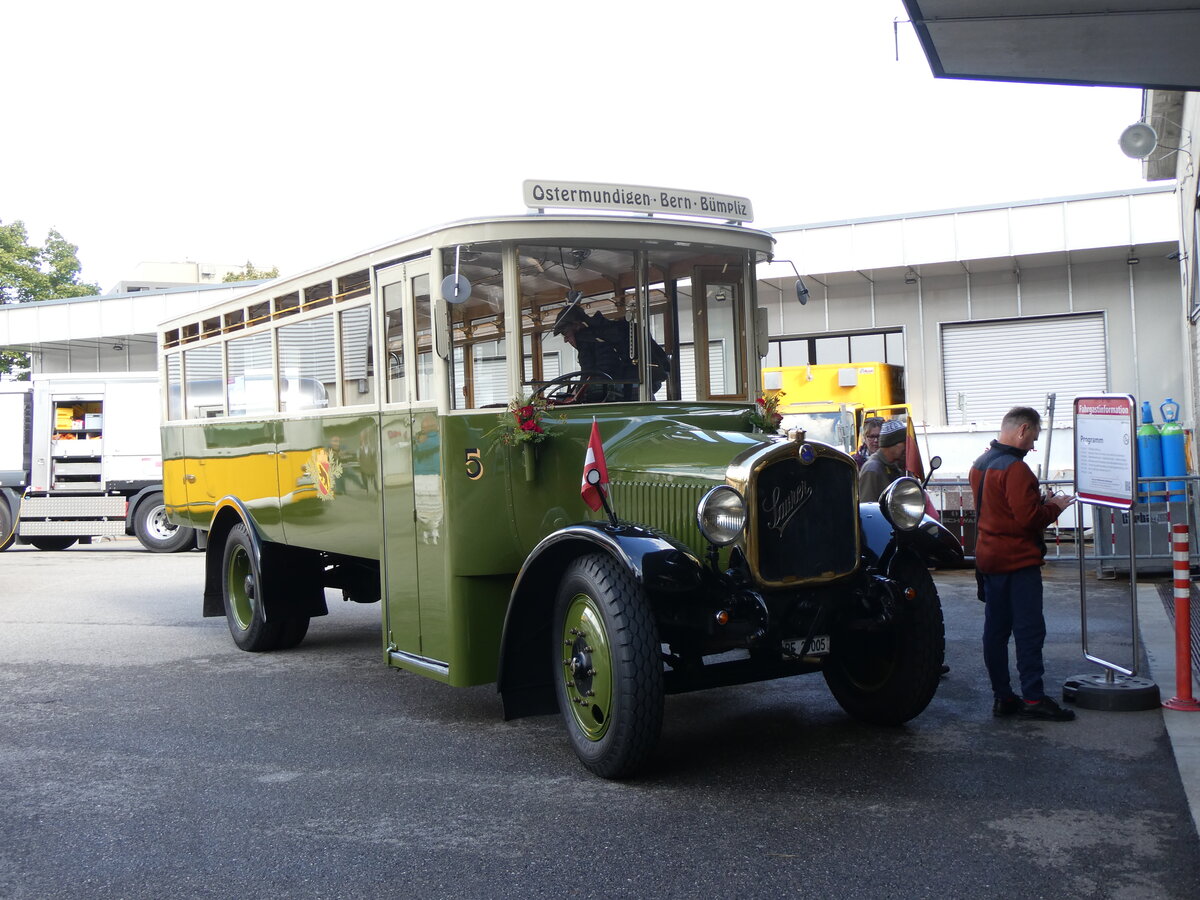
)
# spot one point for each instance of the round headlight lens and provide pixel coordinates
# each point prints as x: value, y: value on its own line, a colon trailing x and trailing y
x: 721, y: 515
x: 903, y: 503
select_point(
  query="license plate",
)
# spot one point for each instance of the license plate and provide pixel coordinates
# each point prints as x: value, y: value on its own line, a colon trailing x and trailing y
x: 818, y: 645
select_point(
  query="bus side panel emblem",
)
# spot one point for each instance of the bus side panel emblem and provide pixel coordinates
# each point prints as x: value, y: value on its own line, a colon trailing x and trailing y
x: 323, y: 470
x: 474, y: 463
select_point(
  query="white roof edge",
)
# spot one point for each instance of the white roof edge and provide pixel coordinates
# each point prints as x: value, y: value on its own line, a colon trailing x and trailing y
x: 1043, y: 201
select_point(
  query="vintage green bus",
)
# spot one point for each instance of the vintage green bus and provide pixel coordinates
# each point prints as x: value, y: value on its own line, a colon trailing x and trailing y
x: 349, y: 428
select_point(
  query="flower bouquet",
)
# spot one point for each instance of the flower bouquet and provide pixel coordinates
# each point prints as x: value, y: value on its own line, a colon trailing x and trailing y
x: 765, y: 416
x: 523, y: 424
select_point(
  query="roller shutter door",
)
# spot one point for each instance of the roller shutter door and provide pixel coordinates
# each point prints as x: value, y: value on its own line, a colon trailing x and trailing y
x: 990, y: 367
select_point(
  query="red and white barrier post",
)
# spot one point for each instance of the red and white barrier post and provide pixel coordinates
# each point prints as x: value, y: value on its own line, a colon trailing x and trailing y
x: 1183, y: 699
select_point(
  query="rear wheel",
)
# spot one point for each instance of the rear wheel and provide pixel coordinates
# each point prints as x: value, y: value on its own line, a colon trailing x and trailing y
x: 888, y: 675
x: 156, y: 532
x: 242, y: 590
x: 608, y: 676
x: 52, y: 543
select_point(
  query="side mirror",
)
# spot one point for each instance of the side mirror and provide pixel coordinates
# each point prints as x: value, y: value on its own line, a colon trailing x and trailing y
x: 761, y: 324
x: 935, y: 463
x: 801, y: 291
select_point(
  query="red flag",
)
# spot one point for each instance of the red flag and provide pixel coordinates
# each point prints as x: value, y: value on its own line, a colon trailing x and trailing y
x: 912, y: 454
x: 595, y: 471
x: 916, y: 467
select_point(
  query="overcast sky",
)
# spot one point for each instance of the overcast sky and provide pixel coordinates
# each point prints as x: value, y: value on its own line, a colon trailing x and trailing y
x: 293, y: 134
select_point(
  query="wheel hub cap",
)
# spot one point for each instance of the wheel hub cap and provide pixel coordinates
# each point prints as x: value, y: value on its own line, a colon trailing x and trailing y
x: 587, y: 667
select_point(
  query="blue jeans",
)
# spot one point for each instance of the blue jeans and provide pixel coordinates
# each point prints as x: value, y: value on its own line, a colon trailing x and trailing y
x: 1013, y: 607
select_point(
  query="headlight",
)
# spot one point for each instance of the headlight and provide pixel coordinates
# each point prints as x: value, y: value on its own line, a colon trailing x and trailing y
x: 721, y: 515
x: 903, y: 503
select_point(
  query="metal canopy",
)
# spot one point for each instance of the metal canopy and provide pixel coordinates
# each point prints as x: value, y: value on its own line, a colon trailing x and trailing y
x: 1122, y: 43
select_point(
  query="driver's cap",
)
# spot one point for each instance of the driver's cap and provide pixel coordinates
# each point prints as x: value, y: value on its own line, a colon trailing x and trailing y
x: 570, y: 313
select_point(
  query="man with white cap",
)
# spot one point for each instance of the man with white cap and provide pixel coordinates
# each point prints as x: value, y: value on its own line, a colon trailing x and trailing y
x: 886, y: 464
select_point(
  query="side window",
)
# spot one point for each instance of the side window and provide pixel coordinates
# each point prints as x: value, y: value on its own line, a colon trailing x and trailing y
x: 724, y: 337
x: 687, y: 341
x: 250, y: 382
x: 202, y: 382
x: 174, y: 387
x: 357, y: 380
x: 307, y: 379
x: 478, y: 348
x: 393, y: 310
x: 424, y: 323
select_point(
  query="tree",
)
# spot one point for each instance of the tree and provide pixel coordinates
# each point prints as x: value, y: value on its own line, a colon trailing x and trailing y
x: 252, y: 274
x: 29, y: 273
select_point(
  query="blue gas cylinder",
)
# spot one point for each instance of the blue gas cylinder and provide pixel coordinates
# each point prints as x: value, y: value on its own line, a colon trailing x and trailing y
x: 1174, y: 452
x: 1149, y: 457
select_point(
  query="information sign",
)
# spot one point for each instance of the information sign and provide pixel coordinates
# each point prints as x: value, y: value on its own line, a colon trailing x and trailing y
x: 1104, y: 450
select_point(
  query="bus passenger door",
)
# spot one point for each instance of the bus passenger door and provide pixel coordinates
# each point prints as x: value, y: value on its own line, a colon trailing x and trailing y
x: 415, y: 626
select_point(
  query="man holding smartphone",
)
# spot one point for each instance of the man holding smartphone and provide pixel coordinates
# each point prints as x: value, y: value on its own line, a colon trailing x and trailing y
x: 1012, y: 516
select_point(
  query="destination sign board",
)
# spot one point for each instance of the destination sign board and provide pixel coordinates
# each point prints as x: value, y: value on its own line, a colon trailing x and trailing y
x: 540, y: 194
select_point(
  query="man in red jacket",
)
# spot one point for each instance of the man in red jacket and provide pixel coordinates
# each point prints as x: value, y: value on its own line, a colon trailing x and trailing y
x: 1012, y: 517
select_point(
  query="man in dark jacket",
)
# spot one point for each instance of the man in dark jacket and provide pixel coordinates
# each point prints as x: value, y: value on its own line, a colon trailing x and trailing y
x: 603, y: 348
x: 1012, y: 516
x: 886, y: 464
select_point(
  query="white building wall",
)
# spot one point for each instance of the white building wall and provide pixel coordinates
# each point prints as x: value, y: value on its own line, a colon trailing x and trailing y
x: 1033, y: 259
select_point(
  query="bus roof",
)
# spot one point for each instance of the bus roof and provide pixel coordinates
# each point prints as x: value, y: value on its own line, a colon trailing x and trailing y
x: 592, y: 230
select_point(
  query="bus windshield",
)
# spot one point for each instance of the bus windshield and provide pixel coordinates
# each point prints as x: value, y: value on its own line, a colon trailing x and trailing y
x: 601, y: 324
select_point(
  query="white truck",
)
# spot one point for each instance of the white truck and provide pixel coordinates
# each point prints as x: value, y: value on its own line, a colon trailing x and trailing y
x: 80, y: 458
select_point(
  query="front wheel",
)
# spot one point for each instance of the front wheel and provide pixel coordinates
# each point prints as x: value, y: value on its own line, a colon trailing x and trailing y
x: 608, y: 677
x: 156, y: 533
x: 242, y: 590
x: 887, y: 675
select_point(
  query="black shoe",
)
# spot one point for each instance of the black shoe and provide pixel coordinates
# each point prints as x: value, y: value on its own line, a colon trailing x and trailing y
x: 1007, y: 706
x: 1047, y: 710
x: 945, y: 670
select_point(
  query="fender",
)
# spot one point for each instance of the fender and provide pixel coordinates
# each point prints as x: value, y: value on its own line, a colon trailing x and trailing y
x: 227, y: 513
x: 656, y: 562
x: 931, y: 541
x: 293, y: 579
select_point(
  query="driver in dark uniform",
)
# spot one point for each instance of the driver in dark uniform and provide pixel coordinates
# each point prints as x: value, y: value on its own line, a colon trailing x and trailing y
x: 603, y: 348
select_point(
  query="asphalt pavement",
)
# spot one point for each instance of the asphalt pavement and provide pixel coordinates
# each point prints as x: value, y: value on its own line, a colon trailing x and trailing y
x: 142, y: 755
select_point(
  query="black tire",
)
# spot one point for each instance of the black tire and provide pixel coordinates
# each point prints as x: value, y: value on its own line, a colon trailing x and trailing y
x: 608, y: 674
x: 155, y: 532
x: 8, y: 531
x: 242, y: 590
x: 888, y: 677
x: 52, y: 543
x: 294, y: 630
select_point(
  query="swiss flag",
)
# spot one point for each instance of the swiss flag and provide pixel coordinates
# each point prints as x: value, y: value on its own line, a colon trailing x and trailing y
x: 595, y: 471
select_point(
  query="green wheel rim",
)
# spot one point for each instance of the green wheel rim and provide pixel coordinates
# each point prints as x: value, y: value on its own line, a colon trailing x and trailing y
x: 239, y: 586
x: 587, y: 667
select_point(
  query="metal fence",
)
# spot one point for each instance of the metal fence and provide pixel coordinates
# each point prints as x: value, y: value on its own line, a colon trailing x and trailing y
x: 1105, y: 533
